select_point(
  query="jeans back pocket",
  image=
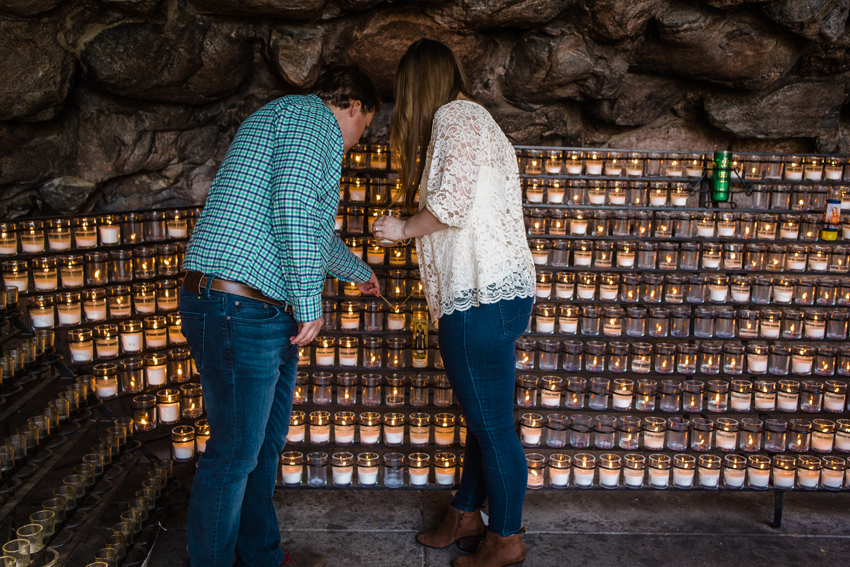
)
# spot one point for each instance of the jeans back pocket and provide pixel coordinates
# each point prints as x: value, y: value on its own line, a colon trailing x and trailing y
x: 515, y: 315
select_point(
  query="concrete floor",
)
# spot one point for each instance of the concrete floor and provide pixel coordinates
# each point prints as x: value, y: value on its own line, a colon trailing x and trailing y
x: 599, y: 528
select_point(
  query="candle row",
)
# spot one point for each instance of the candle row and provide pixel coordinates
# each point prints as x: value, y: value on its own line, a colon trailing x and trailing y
x: 799, y: 198
x: 376, y: 352
x: 688, y: 256
x: 646, y: 395
x: 135, y: 374
x: 21, y: 357
x: 667, y: 358
x: 132, y: 336
x: 367, y: 466
x: 62, y: 234
x: 166, y: 407
x: 188, y: 441
x: 316, y: 428
x: 655, y: 433
x: 95, y: 268
x: 72, y: 308
x: 720, y: 322
x: 638, y: 471
x: 374, y: 389
x: 675, y: 165
x: 666, y: 224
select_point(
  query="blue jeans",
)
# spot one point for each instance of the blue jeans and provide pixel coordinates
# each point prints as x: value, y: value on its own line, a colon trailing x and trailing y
x: 477, y: 346
x: 247, y: 363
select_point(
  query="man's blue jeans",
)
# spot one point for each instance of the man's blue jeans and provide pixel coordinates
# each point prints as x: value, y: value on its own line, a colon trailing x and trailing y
x: 477, y: 346
x: 247, y: 363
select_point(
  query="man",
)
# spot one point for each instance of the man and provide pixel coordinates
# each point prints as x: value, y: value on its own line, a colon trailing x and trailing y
x: 256, y: 267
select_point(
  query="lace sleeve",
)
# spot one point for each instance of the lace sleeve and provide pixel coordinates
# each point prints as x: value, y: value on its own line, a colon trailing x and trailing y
x: 455, y: 164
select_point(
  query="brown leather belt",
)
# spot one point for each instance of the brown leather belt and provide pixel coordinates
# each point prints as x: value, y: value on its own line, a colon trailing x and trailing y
x: 194, y: 282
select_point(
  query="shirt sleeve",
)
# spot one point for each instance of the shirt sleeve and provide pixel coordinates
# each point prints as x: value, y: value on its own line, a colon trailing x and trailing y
x: 301, y: 149
x: 344, y: 265
x: 455, y: 164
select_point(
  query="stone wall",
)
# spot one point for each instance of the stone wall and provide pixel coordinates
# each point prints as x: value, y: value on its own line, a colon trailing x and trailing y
x: 111, y: 105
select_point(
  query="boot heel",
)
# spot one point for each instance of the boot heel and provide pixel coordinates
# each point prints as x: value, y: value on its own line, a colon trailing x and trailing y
x: 470, y: 543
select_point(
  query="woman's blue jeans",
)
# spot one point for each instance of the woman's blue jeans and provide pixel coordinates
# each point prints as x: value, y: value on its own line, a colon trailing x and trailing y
x: 247, y: 363
x: 477, y: 346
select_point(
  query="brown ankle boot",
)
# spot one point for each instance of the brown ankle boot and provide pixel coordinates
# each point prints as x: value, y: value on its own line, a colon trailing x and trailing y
x: 465, y: 528
x: 496, y: 551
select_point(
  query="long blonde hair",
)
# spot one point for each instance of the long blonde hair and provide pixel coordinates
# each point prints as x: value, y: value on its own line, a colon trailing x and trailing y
x: 429, y: 76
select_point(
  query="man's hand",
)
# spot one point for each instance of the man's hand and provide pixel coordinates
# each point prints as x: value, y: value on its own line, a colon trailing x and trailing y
x: 371, y: 287
x: 389, y: 228
x: 307, y: 332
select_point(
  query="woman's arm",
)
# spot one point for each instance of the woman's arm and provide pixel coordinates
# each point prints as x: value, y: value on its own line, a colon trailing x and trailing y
x: 421, y: 224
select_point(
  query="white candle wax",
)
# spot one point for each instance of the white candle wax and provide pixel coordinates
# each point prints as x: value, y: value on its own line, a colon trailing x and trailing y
x: 658, y: 200
x: 87, y: 241
x: 801, y: 365
x: 370, y: 435
x: 765, y: 401
x: 347, y: 359
x: 320, y: 433
x: 786, y: 401
x: 338, y: 223
x: 683, y: 477
x: 41, y: 320
x: 710, y: 262
x: 28, y: 246
x: 609, y: 478
x: 596, y: 198
x: 593, y: 167
x: 622, y: 401
x: 679, y: 200
x: 555, y: 196
x: 740, y: 401
x: 833, y: 402
x: 617, y: 198
x: 168, y: 413
x: 18, y: 282
x: 734, y: 478
x: 155, y: 375
x: 295, y: 434
x: 342, y: 475
x: 531, y: 435
x: 739, y: 296
x: 808, y: 478
x: 608, y: 291
x: 324, y: 358
x: 783, y: 478
x: 540, y: 257
x: 795, y: 264
x: 815, y: 330
x: 82, y: 353
x: 292, y: 474
x: 794, y: 175
x: 705, y: 230
x: 718, y: 293
x: 444, y: 476
x: 95, y: 312
x: 67, y: 317
x: 109, y: 235
x: 545, y: 324
x: 350, y: 321
x: 769, y: 329
x: 534, y: 196
x: 578, y: 227
x: 573, y: 168
x: 559, y: 477
x: 725, y: 229
x: 344, y: 434
x: 59, y: 243
x: 418, y: 477
x: 625, y: 260
x: 582, y: 477
x: 201, y: 443
x: 156, y: 341
x: 782, y: 295
x: 568, y: 326
x: 653, y: 440
x: 659, y: 478
x: 634, y: 171
x: 564, y: 291
x: 167, y: 304
x: 582, y: 258
x: 45, y: 284
x: 419, y: 435
x: 357, y: 193
x: 633, y: 477
x: 375, y: 257
x: 814, y: 174
x: 822, y: 442
x: 184, y: 451
x: 725, y: 440
x: 393, y: 435
x: 817, y: 264
x: 367, y: 475
x: 832, y: 479
x: 106, y: 390
x: 586, y: 291
x: 550, y: 399
x: 834, y: 173
x: 131, y: 342
x: 709, y: 478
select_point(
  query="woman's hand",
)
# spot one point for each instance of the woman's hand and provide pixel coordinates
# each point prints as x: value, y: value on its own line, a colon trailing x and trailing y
x: 389, y: 228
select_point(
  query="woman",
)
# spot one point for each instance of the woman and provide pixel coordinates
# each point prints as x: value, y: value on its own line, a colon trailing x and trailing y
x: 478, y: 277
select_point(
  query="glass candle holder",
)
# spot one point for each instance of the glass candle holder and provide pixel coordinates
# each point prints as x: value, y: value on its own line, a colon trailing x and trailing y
x: 779, y: 360
x: 684, y: 469
x: 834, y: 396
x: 702, y: 433
x: 559, y: 470
x: 598, y: 392
x: 531, y: 429
x: 183, y: 443
x: 808, y: 471
x: 179, y: 365
x: 678, y: 429
x: 605, y: 432
x: 811, y: 396
x: 710, y: 358
x: 645, y: 395
x: 581, y: 429
x: 610, y: 466
x: 584, y: 469
x: 823, y: 435
x: 191, y: 400
x: 799, y: 435
x: 319, y: 427
x: 628, y: 433
x: 292, y: 468
x: 317, y: 469
x: 832, y: 473
x: 725, y: 434
x: 557, y: 428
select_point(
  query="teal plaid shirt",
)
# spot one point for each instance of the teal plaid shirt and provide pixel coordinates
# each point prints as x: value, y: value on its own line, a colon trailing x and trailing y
x: 269, y: 217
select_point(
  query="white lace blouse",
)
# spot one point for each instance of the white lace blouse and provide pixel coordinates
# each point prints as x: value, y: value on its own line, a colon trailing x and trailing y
x: 471, y: 183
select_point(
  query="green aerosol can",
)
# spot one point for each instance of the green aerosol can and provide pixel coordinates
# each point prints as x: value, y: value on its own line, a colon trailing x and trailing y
x: 720, y: 177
